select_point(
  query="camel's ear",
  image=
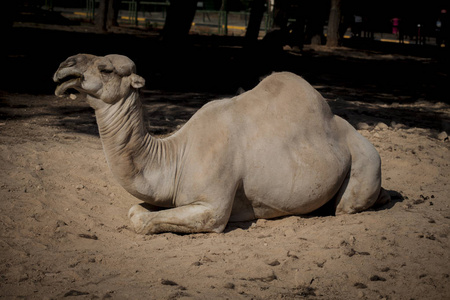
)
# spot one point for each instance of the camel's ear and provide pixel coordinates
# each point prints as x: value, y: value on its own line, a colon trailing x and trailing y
x: 137, y: 81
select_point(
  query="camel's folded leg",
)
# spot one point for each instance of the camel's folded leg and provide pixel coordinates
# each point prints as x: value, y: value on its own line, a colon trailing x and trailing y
x: 362, y: 187
x: 184, y: 219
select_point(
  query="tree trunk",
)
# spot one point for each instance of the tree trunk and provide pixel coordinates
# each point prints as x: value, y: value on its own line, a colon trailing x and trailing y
x: 101, y: 16
x: 113, y: 13
x: 180, y: 15
x: 280, y: 15
x: 316, y: 21
x: 256, y: 15
x: 296, y: 31
x: 333, y: 39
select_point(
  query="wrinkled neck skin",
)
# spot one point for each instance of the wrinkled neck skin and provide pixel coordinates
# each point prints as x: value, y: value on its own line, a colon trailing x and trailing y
x: 141, y: 163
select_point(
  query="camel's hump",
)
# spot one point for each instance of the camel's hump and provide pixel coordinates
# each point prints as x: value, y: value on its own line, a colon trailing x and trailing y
x: 285, y: 83
x: 285, y: 91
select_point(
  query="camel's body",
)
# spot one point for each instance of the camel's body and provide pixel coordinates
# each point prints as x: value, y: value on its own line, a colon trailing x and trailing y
x: 273, y: 151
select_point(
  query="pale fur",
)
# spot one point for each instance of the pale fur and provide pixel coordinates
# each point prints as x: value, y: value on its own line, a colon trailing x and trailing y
x: 275, y: 150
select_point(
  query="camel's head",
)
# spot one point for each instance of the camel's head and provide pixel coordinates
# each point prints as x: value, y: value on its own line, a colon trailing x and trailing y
x: 109, y: 78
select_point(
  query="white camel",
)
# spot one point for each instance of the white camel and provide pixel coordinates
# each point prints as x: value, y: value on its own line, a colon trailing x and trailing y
x: 273, y: 151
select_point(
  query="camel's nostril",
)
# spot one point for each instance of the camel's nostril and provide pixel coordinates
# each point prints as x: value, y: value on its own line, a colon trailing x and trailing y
x: 69, y: 63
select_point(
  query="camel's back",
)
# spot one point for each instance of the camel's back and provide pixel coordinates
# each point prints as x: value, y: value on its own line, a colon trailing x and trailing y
x: 279, y: 102
x: 282, y: 107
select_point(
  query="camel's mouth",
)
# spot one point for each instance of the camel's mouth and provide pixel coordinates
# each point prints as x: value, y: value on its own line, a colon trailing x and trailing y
x: 68, y: 82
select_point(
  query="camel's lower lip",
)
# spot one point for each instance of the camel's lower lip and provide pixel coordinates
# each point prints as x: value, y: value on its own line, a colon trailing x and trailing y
x: 64, y: 86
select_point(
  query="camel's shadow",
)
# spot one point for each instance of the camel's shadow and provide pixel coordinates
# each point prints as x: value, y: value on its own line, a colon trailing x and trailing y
x: 327, y: 210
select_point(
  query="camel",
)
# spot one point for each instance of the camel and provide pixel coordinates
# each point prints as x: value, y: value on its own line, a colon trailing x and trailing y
x: 273, y: 151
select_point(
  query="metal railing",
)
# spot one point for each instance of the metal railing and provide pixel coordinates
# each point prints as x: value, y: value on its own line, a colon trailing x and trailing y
x: 134, y: 7
x: 153, y: 13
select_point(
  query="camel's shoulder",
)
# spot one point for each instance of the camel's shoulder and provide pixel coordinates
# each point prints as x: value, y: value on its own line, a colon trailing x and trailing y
x: 210, y: 114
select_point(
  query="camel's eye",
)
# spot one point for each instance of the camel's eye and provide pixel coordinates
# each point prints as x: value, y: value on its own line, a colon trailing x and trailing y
x: 105, y: 69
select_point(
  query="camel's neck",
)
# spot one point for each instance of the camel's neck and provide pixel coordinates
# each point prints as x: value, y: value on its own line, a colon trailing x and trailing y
x: 139, y: 161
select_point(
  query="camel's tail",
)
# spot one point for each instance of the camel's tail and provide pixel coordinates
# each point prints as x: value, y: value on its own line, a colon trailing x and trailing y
x: 383, y: 198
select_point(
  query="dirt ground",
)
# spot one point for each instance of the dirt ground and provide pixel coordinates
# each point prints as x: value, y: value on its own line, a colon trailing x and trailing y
x: 65, y: 232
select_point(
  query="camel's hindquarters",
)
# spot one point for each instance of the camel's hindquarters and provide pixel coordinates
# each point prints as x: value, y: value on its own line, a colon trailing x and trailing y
x: 296, y: 178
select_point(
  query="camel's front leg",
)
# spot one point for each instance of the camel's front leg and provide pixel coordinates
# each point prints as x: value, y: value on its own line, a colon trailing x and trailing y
x: 185, y: 219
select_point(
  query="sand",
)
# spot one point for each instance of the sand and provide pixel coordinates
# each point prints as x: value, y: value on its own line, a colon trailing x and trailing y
x: 65, y: 232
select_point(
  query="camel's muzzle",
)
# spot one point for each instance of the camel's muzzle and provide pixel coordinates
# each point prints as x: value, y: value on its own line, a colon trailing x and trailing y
x: 66, y: 81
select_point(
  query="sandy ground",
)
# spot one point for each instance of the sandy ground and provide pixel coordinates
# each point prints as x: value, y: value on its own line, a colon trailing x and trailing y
x: 65, y: 233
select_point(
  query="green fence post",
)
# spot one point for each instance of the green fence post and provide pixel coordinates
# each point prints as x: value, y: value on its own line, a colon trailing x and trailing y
x: 136, y: 13
x: 49, y: 4
x: 90, y: 9
x: 223, y: 18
